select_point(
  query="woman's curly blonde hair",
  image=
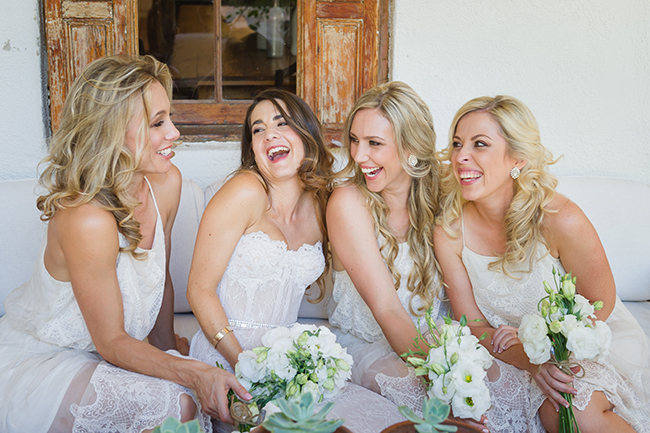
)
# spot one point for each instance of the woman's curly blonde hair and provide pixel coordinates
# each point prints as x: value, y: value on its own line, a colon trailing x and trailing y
x: 414, y: 135
x: 87, y: 159
x: 533, y: 190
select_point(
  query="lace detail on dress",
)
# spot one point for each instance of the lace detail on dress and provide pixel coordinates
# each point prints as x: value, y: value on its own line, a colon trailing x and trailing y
x: 408, y: 390
x: 352, y: 315
x: 504, y: 301
x: 128, y: 402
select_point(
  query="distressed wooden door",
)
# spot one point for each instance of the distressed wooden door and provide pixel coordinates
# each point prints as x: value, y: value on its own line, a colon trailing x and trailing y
x: 80, y: 31
x: 344, y: 47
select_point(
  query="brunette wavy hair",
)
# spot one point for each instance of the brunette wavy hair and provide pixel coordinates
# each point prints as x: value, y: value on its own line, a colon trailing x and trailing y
x: 316, y: 167
x: 87, y: 159
x: 533, y: 190
x: 414, y: 135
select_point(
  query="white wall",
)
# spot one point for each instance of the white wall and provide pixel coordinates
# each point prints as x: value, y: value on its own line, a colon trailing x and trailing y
x: 583, y: 67
x: 22, y: 130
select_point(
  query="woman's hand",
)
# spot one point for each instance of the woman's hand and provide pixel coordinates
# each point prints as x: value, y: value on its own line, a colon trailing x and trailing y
x: 212, y: 392
x: 504, y: 338
x: 552, y: 381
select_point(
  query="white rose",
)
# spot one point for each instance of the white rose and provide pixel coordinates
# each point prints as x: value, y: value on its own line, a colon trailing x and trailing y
x: 533, y: 329
x: 583, y: 342
x: 604, y: 339
x: 297, y: 329
x: 279, y: 333
x: 472, y: 406
x: 583, y: 308
x: 250, y: 369
x: 538, y: 351
x: 569, y: 323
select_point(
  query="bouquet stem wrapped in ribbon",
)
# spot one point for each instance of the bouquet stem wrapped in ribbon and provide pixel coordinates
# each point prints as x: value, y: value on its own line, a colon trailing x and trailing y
x: 455, y: 365
x: 292, y: 361
x: 563, y: 331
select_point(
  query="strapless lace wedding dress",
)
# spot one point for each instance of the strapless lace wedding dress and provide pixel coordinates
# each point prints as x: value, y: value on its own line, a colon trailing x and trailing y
x: 516, y: 398
x: 376, y: 365
x: 51, y: 377
x: 261, y: 289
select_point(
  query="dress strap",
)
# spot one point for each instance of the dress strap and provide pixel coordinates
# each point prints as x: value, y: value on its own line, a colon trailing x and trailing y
x: 154, y: 200
x: 462, y: 227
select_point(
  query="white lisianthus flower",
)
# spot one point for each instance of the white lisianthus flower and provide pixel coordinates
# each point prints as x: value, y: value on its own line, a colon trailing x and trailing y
x: 437, y: 357
x: 533, y: 329
x: 569, y: 323
x: 297, y: 330
x: 443, y: 388
x: 250, y: 369
x: 538, y: 351
x: 583, y: 308
x: 604, y: 339
x: 311, y: 387
x: 583, y: 342
x: 467, y: 376
x: 274, y: 334
x: 471, y: 406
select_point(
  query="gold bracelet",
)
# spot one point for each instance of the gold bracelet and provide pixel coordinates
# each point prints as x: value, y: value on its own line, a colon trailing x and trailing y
x: 217, y: 338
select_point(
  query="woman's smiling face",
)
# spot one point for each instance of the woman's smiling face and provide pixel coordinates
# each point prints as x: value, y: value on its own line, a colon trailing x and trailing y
x: 155, y: 155
x: 373, y: 148
x: 480, y: 159
x: 278, y: 149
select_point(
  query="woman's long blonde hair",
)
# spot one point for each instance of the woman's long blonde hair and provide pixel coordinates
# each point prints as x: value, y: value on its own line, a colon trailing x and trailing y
x: 87, y: 159
x: 533, y: 190
x: 316, y: 168
x: 414, y: 135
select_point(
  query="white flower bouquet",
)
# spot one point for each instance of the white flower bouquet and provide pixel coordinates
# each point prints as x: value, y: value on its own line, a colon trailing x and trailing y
x: 564, y: 329
x: 455, y: 367
x: 293, y: 361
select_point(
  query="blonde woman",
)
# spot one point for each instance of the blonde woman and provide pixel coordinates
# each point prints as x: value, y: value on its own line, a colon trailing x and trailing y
x: 502, y: 231
x: 71, y: 351
x: 381, y: 221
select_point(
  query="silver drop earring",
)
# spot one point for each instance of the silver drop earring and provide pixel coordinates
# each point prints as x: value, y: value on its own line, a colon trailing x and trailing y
x: 514, y: 173
x: 412, y: 160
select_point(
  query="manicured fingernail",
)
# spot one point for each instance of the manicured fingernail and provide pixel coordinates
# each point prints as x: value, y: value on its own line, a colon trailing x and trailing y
x: 486, y: 430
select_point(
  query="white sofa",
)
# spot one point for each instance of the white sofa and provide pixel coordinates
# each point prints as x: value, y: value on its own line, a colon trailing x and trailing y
x: 618, y: 208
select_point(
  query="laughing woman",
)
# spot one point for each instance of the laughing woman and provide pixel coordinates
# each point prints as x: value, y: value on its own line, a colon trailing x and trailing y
x: 503, y: 230
x: 262, y: 242
x: 71, y: 351
x: 381, y: 223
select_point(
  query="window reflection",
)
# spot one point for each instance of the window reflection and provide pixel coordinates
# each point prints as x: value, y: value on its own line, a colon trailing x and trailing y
x: 257, y: 48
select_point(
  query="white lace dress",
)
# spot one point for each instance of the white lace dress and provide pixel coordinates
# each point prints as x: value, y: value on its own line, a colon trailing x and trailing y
x: 261, y: 289
x: 51, y: 377
x: 516, y: 398
x: 376, y: 365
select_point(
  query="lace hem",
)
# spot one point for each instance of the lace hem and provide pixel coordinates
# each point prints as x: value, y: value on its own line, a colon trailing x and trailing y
x: 403, y: 391
x: 120, y: 401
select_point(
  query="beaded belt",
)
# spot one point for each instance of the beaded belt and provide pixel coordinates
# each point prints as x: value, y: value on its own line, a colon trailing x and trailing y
x: 250, y: 325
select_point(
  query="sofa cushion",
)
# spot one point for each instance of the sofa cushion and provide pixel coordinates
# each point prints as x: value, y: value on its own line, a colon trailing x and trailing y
x: 22, y: 234
x: 186, y: 226
x: 618, y: 209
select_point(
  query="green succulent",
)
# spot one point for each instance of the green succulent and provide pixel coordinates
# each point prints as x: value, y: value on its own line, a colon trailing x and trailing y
x: 299, y: 416
x: 434, y: 412
x: 172, y: 425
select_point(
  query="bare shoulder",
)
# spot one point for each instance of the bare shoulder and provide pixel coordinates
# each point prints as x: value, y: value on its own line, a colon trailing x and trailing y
x: 346, y: 199
x: 565, y: 218
x: 242, y: 195
x: 445, y: 242
x: 85, y: 226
